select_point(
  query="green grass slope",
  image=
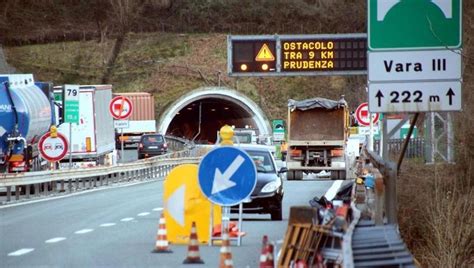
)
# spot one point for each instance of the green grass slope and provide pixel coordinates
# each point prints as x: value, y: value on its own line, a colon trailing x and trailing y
x: 170, y: 65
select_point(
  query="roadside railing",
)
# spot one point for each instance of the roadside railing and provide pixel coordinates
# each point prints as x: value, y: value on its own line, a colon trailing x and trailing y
x: 19, y: 186
x: 373, y: 238
x: 416, y: 147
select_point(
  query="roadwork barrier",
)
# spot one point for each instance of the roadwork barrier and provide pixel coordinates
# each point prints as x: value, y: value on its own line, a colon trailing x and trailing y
x: 313, y: 238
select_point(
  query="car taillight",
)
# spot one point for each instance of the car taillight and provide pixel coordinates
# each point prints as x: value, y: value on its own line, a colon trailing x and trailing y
x: 165, y: 145
x: 295, y: 153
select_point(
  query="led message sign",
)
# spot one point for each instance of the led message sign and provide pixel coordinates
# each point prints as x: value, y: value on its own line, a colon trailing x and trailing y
x: 292, y: 55
x: 324, y: 55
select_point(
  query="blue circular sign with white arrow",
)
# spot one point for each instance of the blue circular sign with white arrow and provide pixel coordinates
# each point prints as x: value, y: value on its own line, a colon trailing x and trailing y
x: 227, y: 175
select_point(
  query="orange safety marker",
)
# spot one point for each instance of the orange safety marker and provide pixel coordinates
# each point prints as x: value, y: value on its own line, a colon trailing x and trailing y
x: 161, y: 245
x: 226, y: 255
x: 193, y: 248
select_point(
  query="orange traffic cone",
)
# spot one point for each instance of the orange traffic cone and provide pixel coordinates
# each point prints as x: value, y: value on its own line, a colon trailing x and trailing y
x: 161, y: 245
x: 193, y: 248
x: 266, y: 259
x: 226, y: 254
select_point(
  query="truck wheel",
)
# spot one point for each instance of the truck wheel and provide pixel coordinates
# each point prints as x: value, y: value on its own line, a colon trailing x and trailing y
x: 290, y: 175
x: 298, y: 175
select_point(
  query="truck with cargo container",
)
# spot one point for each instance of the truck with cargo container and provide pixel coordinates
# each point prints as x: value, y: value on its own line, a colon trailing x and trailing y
x: 317, y: 133
x: 92, y: 140
x: 25, y: 115
x: 141, y: 121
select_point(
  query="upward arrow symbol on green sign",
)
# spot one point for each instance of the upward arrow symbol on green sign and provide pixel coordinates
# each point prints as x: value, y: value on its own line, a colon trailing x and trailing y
x: 414, y: 24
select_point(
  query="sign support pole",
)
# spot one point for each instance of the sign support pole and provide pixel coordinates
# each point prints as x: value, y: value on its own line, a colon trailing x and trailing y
x: 407, y: 140
x: 121, y: 147
x: 70, y: 145
x: 385, y: 139
x: 449, y: 153
x: 370, y: 143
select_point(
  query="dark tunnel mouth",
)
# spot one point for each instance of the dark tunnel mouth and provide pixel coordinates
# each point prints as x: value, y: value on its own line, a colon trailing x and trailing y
x: 212, y: 113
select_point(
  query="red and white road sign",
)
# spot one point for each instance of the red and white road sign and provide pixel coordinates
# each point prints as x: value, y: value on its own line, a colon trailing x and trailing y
x: 53, y: 149
x: 120, y: 107
x: 362, y: 115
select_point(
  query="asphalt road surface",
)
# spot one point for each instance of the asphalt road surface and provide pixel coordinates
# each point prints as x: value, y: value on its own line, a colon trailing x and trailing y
x: 117, y: 227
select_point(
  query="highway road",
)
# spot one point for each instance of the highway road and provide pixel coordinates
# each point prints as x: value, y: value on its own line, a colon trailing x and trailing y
x: 116, y: 227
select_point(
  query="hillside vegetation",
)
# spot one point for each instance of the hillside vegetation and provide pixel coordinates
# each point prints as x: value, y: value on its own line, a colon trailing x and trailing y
x: 169, y: 48
x: 170, y: 65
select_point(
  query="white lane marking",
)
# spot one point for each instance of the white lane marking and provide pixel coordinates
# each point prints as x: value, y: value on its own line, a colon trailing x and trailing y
x: 84, y: 231
x: 107, y: 224
x: 157, y: 209
x: 55, y: 240
x: 127, y: 219
x: 332, y: 191
x: 21, y: 252
x: 143, y: 214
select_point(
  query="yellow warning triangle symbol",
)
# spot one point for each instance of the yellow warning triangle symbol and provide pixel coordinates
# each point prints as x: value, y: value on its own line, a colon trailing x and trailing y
x: 265, y: 54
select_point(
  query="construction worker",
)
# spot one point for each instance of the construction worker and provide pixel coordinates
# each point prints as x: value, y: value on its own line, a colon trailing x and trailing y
x: 283, y: 150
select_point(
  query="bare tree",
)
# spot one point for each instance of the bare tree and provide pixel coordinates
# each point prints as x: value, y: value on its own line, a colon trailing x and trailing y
x: 123, y: 14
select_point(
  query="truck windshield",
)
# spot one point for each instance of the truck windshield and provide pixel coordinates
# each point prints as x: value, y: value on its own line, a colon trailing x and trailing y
x: 243, y: 138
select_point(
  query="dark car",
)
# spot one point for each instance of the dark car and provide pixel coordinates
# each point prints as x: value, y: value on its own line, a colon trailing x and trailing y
x: 152, y: 145
x: 267, y: 196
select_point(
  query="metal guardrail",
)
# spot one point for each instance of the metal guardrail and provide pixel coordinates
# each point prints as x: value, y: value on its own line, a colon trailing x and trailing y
x: 53, y: 181
x: 370, y: 241
x: 415, y: 148
x: 388, y: 170
x: 347, y: 239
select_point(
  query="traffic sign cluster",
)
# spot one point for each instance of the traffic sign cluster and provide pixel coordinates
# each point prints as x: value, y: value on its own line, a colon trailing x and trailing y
x: 414, y: 55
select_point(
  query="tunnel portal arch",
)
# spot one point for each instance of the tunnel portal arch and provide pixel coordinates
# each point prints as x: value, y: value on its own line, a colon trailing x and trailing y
x: 217, y: 106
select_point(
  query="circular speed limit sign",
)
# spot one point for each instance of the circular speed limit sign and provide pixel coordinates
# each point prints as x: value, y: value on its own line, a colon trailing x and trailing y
x: 53, y: 149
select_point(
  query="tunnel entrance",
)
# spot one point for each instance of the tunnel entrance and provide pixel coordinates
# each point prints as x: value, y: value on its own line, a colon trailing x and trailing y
x: 201, y: 113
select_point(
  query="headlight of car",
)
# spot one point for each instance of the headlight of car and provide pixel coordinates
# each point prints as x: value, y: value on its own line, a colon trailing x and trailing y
x: 271, y: 187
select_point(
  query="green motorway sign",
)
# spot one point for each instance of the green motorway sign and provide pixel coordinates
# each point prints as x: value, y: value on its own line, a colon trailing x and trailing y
x: 414, y: 24
x: 278, y: 127
x: 71, y: 104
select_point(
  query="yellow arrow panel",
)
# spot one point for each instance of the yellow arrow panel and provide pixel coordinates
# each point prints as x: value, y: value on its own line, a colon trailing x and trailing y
x: 265, y: 54
x: 185, y: 203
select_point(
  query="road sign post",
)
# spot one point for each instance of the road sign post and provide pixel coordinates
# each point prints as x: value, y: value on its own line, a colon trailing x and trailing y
x: 414, y: 65
x: 121, y: 108
x: 414, y: 24
x: 415, y: 96
x: 278, y: 126
x: 53, y: 149
x: 71, y: 104
x: 71, y: 111
x: 297, y: 55
x: 227, y: 175
x: 363, y: 115
x: 414, y: 55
